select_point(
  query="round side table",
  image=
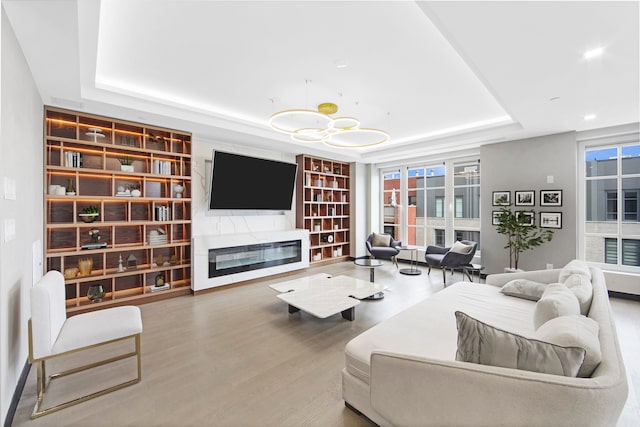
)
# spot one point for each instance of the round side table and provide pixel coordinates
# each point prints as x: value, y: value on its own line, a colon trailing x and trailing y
x: 470, y: 269
x: 413, y: 271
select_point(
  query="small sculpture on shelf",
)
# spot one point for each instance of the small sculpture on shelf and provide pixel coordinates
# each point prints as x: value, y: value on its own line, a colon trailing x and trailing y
x: 132, y: 262
x: 120, y: 267
x: 179, y: 189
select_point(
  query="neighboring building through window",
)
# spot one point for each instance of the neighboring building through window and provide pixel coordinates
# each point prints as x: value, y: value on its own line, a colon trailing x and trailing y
x: 426, y: 219
x: 612, y: 184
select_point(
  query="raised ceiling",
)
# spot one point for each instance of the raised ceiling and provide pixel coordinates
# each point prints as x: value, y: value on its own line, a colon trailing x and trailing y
x: 437, y: 76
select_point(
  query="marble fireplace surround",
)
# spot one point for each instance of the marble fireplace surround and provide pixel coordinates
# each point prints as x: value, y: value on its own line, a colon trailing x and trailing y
x: 201, y: 245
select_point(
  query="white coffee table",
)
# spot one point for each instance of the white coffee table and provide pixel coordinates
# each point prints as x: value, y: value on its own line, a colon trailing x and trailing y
x: 323, y: 295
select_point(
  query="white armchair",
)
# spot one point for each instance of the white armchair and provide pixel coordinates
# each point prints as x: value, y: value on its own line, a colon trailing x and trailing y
x: 52, y: 334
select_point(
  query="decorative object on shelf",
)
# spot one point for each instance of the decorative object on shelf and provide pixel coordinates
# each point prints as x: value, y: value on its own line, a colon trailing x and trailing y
x: 85, y: 265
x: 120, y: 267
x: 95, y: 293
x: 53, y: 189
x: 157, y: 236
x: 160, y: 280
x: 521, y: 233
x: 318, y: 126
x: 94, y: 233
x: 132, y: 262
x: 550, y: 197
x: 316, y: 226
x: 160, y: 260
x: 126, y: 164
x: 70, y: 273
x: 173, y: 260
x: 89, y: 214
x: 71, y: 189
x: 179, y: 189
x: 123, y: 191
x: 336, y: 171
x: 135, y: 193
x: 95, y: 242
x: 95, y: 133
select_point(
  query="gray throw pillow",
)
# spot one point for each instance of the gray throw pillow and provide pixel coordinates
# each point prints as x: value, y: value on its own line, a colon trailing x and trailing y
x: 524, y: 288
x: 557, y: 300
x: 486, y: 345
x: 381, y: 240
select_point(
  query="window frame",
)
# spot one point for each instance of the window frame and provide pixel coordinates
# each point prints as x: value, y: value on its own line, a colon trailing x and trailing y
x: 588, y: 142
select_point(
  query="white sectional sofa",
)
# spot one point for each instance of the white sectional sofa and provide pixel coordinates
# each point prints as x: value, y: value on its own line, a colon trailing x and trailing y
x: 404, y: 372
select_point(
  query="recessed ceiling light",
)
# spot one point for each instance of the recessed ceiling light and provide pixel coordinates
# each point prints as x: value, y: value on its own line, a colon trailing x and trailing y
x: 589, y: 116
x: 555, y: 98
x: 593, y: 53
x: 341, y: 63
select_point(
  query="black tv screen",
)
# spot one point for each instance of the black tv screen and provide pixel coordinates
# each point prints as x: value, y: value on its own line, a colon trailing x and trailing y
x: 242, y: 182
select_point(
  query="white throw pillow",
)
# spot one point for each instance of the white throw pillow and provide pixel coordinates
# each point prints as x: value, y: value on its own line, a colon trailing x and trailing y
x: 582, y: 289
x: 486, y: 345
x: 460, y: 248
x: 523, y: 288
x: 574, y: 331
x: 574, y: 267
x: 381, y: 240
x: 557, y: 300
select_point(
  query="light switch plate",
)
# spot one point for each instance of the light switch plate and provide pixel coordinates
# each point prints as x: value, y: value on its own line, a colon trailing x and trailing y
x: 9, y: 229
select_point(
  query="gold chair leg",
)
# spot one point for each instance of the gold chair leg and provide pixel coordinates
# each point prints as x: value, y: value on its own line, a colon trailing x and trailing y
x: 42, y: 381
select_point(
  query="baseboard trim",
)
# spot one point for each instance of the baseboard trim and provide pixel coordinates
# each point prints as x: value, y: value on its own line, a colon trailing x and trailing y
x: 624, y: 295
x: 17, y: 394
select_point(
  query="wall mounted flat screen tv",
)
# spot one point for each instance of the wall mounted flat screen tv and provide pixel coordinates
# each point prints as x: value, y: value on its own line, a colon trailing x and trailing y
x: 251, y: 183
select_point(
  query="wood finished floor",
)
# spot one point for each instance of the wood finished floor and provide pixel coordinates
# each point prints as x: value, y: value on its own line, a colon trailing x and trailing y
x: 235, y: 357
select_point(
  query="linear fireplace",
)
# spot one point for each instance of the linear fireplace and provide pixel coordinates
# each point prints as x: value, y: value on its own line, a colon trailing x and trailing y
x: 223, y: 261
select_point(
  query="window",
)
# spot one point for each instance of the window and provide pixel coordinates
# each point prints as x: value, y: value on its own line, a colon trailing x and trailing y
x: 391, y: 204
x: 425, y: 186
x: 612, y: 187
x: 442, y: 202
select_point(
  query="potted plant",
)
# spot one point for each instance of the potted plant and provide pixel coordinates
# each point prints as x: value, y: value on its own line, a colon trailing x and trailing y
x: 521, y: 231
x: 89, y: 214
x: 126, y: 164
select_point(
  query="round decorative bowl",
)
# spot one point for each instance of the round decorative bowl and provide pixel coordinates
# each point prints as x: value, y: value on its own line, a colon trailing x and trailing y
x: 88, y: 217
x: 95, y: 293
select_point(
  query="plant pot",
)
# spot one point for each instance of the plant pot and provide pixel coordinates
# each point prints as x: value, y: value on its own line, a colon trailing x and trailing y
x: 88, y: 218
x: 126, y: 168
x: 513, y: 270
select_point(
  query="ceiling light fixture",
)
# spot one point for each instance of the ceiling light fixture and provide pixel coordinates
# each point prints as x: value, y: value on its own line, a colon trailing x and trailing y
x: 319, y: 126
x: 593, y: 53
x: 589, y: 116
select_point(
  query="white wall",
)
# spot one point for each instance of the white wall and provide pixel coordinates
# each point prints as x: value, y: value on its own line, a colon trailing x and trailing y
x: 205, y: 222
x: 20, y: 165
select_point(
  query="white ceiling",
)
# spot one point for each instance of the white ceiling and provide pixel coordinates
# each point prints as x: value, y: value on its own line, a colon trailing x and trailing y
x: 437, y: 76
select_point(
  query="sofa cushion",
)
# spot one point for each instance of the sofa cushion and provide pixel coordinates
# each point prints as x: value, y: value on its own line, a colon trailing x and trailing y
x: 581, y: 287
x: 524, y: 288
x: 574, y: 267
x: 460, y: 248
x: 483, y: 344
x: 380, y: 240
x: 557, y: 300
x: 574, y: 331
x: 428, y: 328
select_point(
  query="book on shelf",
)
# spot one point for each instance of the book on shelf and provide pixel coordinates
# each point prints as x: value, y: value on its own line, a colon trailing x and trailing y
x: 72, y: 159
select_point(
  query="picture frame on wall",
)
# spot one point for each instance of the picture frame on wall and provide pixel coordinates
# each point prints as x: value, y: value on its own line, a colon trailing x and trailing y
x: 550, y: 219
x: 501, y: 198
x: 495, y: 218
x: 527, y: 218
x: 550, y: 197
x: 525, y: 198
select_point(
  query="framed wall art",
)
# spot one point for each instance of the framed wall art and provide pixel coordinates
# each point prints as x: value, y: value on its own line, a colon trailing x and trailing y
x: 525, y: 198
x: 550, y: 197
x: 550, y: 219
x: 527, y: 218
x: 501, y: 198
